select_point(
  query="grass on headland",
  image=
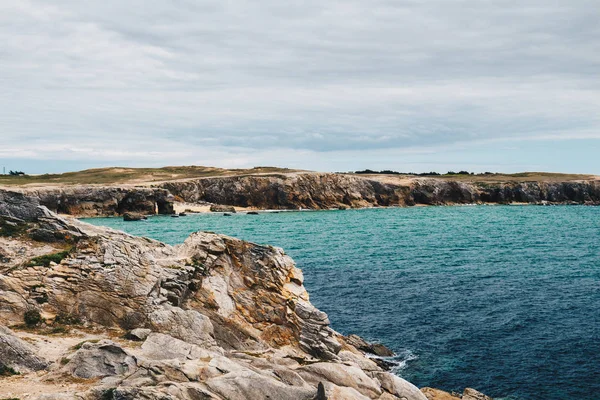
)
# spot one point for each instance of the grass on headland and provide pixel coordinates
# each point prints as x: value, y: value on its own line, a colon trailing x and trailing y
x: 115, y: 175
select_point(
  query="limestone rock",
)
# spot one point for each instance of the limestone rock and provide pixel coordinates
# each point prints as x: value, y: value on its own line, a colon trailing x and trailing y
x: 96, y: 360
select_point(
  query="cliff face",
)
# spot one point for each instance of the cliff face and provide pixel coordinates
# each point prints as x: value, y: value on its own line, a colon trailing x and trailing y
x: 307, y: 191
x: 323, y: 191
x: 94, y: 201
x: 311, y: 191
x: 219, y: 318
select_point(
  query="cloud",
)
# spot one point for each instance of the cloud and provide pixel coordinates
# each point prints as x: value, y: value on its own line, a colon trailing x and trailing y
x: 185, y: 80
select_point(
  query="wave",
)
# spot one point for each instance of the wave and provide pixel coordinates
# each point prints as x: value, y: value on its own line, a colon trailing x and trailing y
x: 397, y: 362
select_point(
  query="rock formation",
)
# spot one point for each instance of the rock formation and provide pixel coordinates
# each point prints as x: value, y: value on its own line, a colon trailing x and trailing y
x: 304, y: 191
x: 219, y: 318
x: 325, y: 191
x: 95, y: 201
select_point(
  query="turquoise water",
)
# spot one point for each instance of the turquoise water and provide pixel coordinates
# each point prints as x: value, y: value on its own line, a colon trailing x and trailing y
x: 505, y: 299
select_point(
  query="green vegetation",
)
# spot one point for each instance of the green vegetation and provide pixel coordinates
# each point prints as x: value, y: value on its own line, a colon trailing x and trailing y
x: 116, y: 175
x: 78, y: 345
x: 67, y: 319
x: 46, y: 259
x: 487, y: 177
x: 5, y: 370
x: 32, y: 318
x: 108, y: 394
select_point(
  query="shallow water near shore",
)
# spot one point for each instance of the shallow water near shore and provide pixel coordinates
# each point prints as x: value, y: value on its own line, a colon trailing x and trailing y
x: 505, y: 299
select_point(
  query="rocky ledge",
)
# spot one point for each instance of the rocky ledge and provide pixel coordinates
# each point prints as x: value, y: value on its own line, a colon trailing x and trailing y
x: 99, y: 314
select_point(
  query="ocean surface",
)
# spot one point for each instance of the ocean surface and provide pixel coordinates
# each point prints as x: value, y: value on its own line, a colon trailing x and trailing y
x: 504, y: 299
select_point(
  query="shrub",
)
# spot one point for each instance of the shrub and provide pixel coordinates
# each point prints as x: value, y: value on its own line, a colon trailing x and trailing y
x: 46, y: 259
x: 67, y: 319
x: 32, y: 317
x: 5, y: 370
x: 108, y: 394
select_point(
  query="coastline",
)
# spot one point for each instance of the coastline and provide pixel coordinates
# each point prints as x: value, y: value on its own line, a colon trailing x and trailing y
x: 172, y: 299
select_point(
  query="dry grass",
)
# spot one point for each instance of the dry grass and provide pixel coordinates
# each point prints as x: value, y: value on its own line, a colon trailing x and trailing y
x: 141, y: 176
x: 489, y: 178
x: 117, y: 175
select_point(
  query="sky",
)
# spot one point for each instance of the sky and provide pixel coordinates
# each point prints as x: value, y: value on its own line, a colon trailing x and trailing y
x: 429, y: 85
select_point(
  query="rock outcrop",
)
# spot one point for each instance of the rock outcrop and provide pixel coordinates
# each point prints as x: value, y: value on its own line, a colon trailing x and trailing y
x: 220, y: 318
x: 16, y: 356
x: 95, y: 201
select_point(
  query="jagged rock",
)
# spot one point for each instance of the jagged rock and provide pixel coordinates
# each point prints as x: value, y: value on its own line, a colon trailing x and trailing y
x: 222, y: 208
x: 371, y: 348
x: 96, y: 360
x: 472, y: 394
x: 139, y: 334
x: 132, y: 216
x: 17, y: 355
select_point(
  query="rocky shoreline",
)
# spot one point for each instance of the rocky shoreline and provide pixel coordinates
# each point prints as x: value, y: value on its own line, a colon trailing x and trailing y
x: 315, y: 191
x: 99, y: 314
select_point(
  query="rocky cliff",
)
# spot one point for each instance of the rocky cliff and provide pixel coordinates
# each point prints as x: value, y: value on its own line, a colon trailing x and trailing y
x: 217, y: 318
x: 323, y: 191
x: 308, y: 191
x: 95, y: 201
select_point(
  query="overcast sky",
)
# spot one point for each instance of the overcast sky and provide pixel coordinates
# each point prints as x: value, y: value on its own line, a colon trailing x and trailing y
x: 327, y: 85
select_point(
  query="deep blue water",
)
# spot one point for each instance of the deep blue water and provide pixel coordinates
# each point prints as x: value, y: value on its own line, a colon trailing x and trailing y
x: 505, y: 299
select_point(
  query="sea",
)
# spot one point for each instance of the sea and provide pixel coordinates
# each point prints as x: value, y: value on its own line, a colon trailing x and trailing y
x: 503, y: 299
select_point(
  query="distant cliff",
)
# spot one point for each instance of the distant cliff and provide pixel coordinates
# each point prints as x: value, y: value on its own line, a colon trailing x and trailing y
x: 308, y: 191
x: 323, y: 191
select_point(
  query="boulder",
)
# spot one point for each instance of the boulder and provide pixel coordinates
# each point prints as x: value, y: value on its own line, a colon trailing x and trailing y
x: 138, y: 334
x: 18, y: 355
x: 133, y: 216
x: 222, y: 208
x: 97, y: 360
x: 372, y: 348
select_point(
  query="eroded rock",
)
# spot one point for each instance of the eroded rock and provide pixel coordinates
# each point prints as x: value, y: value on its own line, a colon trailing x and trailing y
x: 97, y: 360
